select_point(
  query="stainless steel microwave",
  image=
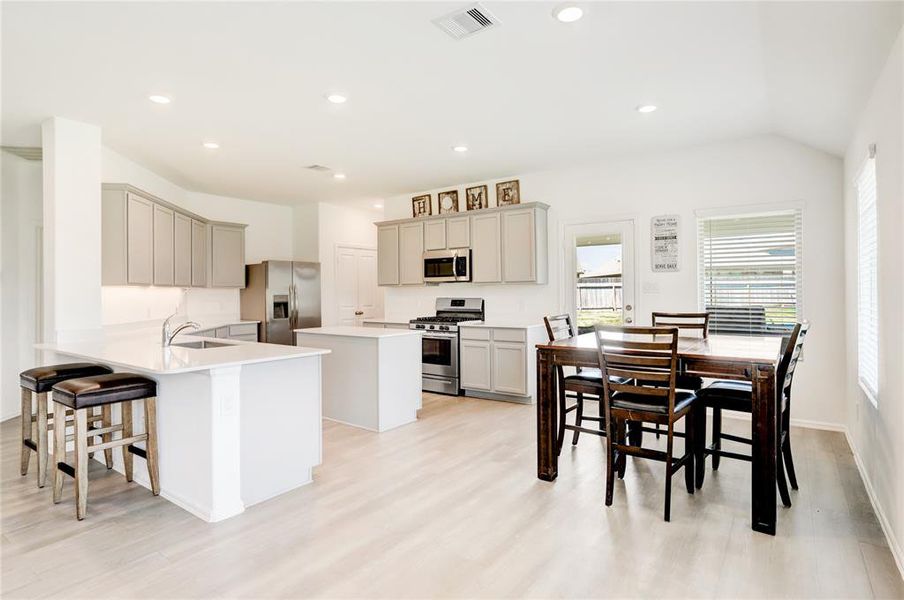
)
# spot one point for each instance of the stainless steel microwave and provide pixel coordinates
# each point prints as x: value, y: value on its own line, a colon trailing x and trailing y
x: 447, y: 265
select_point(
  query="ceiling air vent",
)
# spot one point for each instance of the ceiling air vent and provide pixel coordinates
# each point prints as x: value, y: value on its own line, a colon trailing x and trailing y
x: 467, y: 21
x: 318, y: 168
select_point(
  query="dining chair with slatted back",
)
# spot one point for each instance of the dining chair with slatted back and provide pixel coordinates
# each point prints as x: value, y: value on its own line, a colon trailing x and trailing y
x: 645, y: 362
x: 585, y: 384
x: 738, y: 396
x: 694, y: 323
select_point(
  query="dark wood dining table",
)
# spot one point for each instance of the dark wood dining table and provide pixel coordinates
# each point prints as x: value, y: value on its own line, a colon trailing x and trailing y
x: 753, y: 359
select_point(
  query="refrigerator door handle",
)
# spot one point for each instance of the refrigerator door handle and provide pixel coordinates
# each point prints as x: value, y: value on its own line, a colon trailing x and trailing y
x: 295, y: 306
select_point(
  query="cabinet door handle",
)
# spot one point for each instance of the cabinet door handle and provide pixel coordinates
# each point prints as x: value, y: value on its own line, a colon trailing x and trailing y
x: 358, y: 313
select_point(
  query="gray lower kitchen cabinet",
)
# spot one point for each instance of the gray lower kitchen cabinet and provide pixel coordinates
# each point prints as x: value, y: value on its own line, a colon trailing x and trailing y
x: 244, y: 332
x: 476, y: 365
x: 164, y: 245
x: 388, y: 255
x: 198, y: 253
x: 499, y: 362
x: 182, y: 250
x: 227, y: 255
x: 411, y: 253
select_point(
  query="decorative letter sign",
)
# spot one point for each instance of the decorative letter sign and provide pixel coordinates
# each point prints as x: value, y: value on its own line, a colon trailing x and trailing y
x: 664, y: 242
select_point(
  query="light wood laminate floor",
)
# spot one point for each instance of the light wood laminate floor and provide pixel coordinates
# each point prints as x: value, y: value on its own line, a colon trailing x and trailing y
x: 450, y: 506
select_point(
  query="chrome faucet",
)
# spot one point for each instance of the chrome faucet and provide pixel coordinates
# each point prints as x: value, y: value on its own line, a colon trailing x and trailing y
x: 166, y: 337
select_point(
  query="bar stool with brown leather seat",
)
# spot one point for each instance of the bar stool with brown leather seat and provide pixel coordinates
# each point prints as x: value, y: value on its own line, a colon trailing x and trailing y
x: 37, y: 421
x: 81, y: 395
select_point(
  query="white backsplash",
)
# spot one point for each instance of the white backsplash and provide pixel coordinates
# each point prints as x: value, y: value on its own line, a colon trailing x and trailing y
x: 124, y: 306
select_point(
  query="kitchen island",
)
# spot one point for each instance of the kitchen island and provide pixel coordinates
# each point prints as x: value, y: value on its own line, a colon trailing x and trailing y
x: 237, y: 422
x: 372, y: 378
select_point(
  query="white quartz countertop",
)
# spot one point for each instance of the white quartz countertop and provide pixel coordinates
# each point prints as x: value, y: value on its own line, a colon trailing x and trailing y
x: 385, y: 321
x: 505, y: 323
x: 362, y: 332
x: 146, y: 354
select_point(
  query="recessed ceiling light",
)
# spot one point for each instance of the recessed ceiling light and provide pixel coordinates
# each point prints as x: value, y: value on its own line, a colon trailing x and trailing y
x: 338, y: 175
x: 211, y: 145
x: 460, y: 148
x: 646, y: 108
x: 378, y: 206
x: 159, y: 99
x: 568, y: 13
x: 337, y: 98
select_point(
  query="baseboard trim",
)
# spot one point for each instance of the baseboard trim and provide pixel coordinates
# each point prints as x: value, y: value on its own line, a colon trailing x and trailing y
x: 877, y: 508
x: 804, y: 423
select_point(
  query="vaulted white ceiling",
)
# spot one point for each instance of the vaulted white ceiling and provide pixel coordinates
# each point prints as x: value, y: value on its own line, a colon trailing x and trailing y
x: 531, y: 94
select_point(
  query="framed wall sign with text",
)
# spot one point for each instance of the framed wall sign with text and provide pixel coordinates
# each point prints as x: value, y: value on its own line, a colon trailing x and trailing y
x: 664, y: 231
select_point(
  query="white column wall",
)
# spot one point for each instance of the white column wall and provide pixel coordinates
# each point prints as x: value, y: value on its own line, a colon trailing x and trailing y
x: 72, y: 223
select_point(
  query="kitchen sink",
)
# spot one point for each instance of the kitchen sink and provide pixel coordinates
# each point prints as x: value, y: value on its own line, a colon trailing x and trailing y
x: 200, y: 344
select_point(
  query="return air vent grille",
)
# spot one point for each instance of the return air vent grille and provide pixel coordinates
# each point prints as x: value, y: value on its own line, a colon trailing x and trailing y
x: 318, y: 168
x: 467, y: 21
x: 26, y: 152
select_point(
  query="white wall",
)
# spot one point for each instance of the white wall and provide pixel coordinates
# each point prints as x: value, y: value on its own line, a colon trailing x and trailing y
x: 876, y: 432
x: 20, y: 215
x: 340, y: 225
x: 742, y: 173
x: 269, y: 236
x: 306, y: 231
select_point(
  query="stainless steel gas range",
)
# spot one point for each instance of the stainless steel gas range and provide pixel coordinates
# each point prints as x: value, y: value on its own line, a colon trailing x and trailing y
x: 439, y: 357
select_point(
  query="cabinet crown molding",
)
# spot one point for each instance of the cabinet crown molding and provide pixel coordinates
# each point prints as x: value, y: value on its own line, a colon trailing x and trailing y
x: 464, y: 213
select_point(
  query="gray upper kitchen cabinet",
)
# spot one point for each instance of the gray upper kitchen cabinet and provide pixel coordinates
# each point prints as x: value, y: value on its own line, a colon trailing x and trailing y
x: 435, y: 235
x: 486, y: 248
x: 388, y: 255
x: 458, y: 232
x: 139, y: 240
x: 227, y: 255
x: 198, y: 253
x: 524, y: 246
x: 182, y: 250
x: 508, y: 244
x: 148, y: 241
x: 411, y: 253
x: 164, y: 245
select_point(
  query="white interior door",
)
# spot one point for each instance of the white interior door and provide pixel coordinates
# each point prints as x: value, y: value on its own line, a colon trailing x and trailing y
x: 357, y: 293
x: 599, y: 273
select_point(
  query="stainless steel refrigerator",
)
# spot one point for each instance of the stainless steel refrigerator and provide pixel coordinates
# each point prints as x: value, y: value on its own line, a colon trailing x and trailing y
x: 283, y: 296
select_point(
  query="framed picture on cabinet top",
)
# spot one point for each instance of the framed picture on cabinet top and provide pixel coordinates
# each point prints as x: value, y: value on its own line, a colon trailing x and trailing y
x: 447, y: 202
x: 476, y: 197
x: 421, y: 206
x: 508, y: 192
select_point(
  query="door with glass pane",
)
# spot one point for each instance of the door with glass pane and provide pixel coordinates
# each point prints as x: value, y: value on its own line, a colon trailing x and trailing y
x: 599, y: 271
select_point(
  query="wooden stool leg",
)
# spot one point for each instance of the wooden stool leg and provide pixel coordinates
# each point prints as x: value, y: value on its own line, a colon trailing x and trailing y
x: 81, y: 463
x: 43, y: 446
x: 668, y: 476
x: 126, y: 408
x: 150, y: 427
x: 108, y: 437
x: 717, y: 436
x: 59, y: 450
x: 25, y: 451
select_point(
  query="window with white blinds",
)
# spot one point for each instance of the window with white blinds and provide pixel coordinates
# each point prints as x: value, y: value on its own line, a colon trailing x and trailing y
x: 750, y: 272
x: 867, y: 278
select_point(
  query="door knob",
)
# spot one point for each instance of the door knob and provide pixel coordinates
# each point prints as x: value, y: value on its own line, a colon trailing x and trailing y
x: 629, y: 320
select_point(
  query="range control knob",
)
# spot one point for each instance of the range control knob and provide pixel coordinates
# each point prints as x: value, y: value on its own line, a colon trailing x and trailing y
x: 444, y: 327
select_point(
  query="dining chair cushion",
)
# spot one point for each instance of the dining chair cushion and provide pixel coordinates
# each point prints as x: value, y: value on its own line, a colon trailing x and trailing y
x: 728, y: 394
x: 682, y: 382
x: 591, y: 375
x: 643, y: 402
